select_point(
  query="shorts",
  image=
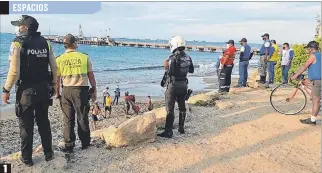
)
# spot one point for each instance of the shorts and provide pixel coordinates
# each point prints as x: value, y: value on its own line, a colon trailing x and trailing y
x: 108, y: 108
x: 94, y: 117
x: 316, y: 88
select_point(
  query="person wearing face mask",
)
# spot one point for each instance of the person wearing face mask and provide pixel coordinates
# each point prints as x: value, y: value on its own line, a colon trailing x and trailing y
x: 177, y: 66
x: 264, y: 56
x: 75, y: 70
x: 273, y: 58
x: 286, y: 61
x: 246, y: 54
x: 226, y: 67
x: 29, y: 59
x: 313, y: 64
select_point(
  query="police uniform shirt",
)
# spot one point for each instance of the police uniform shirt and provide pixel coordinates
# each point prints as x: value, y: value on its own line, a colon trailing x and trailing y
x: 14, y: 65
x: 65, y: 68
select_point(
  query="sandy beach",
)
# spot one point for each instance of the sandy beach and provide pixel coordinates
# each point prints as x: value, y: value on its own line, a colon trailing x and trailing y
x: 242, y: 133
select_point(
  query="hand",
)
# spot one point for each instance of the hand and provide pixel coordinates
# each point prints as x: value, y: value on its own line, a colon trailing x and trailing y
x: 294, y: 77
x: 57, y: 96
x: 166, y: 63
x: 94, y: 95
x: 221, y: 67
x: 5, y: 98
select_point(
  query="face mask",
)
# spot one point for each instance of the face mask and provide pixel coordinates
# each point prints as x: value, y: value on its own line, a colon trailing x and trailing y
x: 264, y: 39
x: 283, y: 47
x: 227, y: 46
x: 241, y: 43
x: 17, y: 30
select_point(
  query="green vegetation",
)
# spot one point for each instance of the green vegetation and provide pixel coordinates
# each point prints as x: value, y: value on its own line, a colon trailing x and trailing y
x: 208, y: 103
x: 300, y: 58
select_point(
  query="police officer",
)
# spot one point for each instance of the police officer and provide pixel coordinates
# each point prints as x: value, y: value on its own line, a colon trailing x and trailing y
x: 75, y: 70
x: 264, y: 56
x: 226, y: 67
x: 246, y: 54
x: 178, y: 65
x: 30, y: 55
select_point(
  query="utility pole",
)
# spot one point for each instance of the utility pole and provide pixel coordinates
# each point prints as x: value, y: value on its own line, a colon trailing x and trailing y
x: 49, y: 31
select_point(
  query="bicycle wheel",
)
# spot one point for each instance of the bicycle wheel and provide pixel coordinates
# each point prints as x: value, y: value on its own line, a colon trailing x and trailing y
x: 282, y: 101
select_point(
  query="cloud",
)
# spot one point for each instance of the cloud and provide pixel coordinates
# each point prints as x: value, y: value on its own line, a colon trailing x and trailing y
x: 280, y: 30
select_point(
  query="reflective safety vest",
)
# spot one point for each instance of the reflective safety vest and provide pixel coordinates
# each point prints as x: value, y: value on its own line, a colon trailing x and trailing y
x: 275, y: 55
x: 72, y: 65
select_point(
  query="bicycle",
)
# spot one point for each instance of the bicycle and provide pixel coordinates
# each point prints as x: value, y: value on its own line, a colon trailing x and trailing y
x: 295, y: 96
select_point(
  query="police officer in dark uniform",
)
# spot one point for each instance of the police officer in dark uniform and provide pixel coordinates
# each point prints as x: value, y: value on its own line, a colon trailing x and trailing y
x: 30, y: 55
x: 178, y: 65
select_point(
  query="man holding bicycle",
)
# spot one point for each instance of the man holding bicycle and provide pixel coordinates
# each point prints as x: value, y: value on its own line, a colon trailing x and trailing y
x: 313, y: 64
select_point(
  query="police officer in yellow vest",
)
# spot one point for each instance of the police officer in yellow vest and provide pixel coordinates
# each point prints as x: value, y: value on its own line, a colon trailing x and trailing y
x: 30, y: 55
x: 75, y: 70
x: 274, y: 52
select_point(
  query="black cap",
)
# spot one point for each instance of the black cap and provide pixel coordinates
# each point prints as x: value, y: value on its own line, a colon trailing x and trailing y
x: 69, y: 39
x: 243, y: 40
x: 29, y: 21
x: 273, y: 41
x: 267, y: 35
x: 312, y: 44
x: 230, y: 42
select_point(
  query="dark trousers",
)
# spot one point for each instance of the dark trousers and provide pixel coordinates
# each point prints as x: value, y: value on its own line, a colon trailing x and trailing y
x: 176, y: 91
x: 243, y: 72
x: 116, y: 99
x: 32, y: 104
x: 75, y: 100
x: 271, y: 71
x: 225, y: 78
x: 285, y: 70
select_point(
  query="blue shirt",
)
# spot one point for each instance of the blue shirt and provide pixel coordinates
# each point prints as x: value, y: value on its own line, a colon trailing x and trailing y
x: 246, y: 49
x: 314, y: 71
x: 267, y: 44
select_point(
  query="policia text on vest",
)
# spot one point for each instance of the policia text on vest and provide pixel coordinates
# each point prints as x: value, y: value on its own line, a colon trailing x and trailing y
x: 33, y: 90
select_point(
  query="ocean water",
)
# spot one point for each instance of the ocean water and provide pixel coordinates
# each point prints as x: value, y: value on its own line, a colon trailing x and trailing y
x: 137, y: 70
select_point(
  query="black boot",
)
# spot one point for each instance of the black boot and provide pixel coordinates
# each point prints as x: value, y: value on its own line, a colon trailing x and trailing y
x: 182, y: 117
x: 168, y: 126
x: 262, y: 79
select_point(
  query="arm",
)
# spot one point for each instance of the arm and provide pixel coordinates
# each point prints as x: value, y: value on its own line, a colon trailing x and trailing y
x: 172, y: 65
x: 191, y: 67
x: 251, y: 54
x: 291, y: 58
x: 58, y: 79
x: 53, y: 64
x: 305, y: 66
x: 226, y: 58
x: 242, y: 50
x: 14, y: 67
x: 90, y: 74
x: 267, y: 46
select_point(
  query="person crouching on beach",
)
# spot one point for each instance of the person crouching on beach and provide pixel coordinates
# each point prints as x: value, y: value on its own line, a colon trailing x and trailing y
x: 150, y: 105
x: 108, y: 105
x: 226, y: 67
x: 96, y: 110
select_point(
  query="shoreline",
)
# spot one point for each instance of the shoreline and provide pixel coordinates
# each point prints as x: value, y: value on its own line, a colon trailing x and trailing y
x: 209, y: 144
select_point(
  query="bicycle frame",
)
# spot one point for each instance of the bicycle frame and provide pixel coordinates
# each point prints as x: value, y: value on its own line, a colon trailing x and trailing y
x: 305, y: 86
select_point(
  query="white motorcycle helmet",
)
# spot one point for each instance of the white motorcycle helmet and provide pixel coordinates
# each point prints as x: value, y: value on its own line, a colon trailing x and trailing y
x: 176, y: 42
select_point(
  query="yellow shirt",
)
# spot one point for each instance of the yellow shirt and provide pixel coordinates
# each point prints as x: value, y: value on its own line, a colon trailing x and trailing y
x: 275, y: 55
x: 108, y: 101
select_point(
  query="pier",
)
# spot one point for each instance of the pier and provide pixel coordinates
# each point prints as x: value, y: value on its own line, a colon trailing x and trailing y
x: 99, y: 42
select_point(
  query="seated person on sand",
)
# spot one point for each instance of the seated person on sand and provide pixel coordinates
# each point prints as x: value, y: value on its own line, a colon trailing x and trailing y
x: 150, y: 105
x: 130, y: 100
x: 108, y: 105
x: 95, y: 112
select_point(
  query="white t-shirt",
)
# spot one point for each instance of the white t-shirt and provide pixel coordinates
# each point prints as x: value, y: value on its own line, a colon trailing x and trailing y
x: 285, y: 57
x: 105, y: 92
x: 267, y: 44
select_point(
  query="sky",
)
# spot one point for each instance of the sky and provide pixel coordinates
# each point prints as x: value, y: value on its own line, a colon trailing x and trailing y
x: 293, y: 22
